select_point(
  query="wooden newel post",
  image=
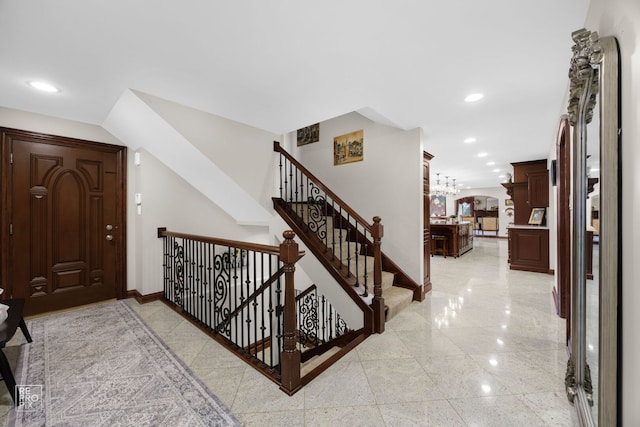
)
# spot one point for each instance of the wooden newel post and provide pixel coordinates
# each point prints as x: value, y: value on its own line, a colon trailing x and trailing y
x: 290, y: 356
x: 377, y: 304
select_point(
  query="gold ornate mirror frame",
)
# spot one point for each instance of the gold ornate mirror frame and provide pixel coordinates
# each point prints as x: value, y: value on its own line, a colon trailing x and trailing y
x: 594, y: 75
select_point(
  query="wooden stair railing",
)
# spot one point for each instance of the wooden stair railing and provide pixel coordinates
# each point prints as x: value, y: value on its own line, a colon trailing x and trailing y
x: 320, y: 217
x: 234, y: 292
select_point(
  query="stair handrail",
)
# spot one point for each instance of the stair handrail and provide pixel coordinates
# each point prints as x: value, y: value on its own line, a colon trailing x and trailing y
x: 268, y: 249
x: 375, y: 230
x: 286, y: 255
x: 334, y: 196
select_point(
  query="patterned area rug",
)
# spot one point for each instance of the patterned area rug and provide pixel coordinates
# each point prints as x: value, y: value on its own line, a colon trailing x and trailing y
x: 103, y: 366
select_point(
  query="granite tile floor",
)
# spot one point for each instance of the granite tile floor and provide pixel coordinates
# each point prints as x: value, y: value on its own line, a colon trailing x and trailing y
x: 485, y: 348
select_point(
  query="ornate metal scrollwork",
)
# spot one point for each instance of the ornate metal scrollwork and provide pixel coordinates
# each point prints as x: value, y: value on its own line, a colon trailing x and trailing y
x: 586, y: 54
x: 308, y: 310
x: 588, y: 385
x: 222, y: 279
x: 570, y: 381
x: 317, y: 218
x: 178, y: 262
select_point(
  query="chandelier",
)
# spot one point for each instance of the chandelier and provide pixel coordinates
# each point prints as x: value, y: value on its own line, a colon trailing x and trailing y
x: 444, y: 190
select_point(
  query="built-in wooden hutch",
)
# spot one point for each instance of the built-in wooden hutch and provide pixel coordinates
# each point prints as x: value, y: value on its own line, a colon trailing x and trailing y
x: 459, y: 236
x: 529, y: 244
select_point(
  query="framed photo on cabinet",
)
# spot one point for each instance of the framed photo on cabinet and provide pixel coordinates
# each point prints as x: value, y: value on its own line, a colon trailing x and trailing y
x: 537, y: 216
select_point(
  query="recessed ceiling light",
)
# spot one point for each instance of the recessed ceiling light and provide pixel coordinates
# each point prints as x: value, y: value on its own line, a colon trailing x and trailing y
x: 502, y: 176
x: 470, y: 140
x: 43, y: 86
x: 482, y: 154
x: 496, y: 170
x: 491, y: 163
x: 474, y: 97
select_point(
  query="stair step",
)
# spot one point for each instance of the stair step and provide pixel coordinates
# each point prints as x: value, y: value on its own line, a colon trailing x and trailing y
x: 315, y: 361
x: 397, y: 299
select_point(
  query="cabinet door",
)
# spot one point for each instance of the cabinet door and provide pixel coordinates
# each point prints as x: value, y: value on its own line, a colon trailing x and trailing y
x: 538, y: 183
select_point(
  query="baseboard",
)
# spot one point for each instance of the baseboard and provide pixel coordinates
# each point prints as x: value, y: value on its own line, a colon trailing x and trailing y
x: 143, y: 299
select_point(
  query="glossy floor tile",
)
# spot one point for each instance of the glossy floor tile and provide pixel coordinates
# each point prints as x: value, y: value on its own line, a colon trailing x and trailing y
x: 485, y: 348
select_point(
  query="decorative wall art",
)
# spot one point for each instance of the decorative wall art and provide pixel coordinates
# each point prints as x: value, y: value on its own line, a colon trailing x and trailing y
x: 348, y: 148
x: 438, y: 205
x: 309, y: 134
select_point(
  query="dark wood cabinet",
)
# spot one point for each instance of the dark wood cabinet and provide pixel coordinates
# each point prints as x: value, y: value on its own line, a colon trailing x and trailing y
x: 529, y: 189
x: 529, y: 249
x: 538, y: 189
x: 529, y: 245
x: 459, y: 237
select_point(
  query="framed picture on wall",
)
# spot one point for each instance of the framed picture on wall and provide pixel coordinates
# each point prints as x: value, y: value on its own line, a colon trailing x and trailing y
x: 438, y: 206
x: 309, y: 134
x: 537, y: 216
x: 348, y: 148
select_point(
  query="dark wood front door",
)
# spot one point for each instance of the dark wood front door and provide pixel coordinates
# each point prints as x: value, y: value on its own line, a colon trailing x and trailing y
x: 562, y: 290
x: 65, y: 219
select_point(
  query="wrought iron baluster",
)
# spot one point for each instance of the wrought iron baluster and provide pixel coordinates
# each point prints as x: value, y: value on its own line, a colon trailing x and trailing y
x: 281, y: 179
x: 235, y: 293
x: 279, y: 319
x: 301, y: 197
x: 202, y: 277
x: 295, y: 200
x: 255, y: 304
x: 366, y: 273
x: 262, y: 306
x: 291, y: 182
x: 324, y: 316
x: 210, y: 289
x: 340, y: 233
x: 308, y: 204
x: 330, y: 321
x: 270, y: 311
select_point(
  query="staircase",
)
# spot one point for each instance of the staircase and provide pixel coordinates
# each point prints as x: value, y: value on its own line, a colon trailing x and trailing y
x: 353, y: 255
x: 346, y: 244
x: 243, y: 295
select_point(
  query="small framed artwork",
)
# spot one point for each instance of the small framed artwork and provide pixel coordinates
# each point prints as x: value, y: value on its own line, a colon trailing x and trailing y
x: 348, y: 148
x: 438, y: 206
x: 309, y: 134
x: 537, y: 216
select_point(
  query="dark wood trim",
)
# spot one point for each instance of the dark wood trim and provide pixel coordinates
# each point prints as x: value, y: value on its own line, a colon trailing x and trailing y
x: 143, y: 299
x: 426, y: 228
x: 362, y: 335
x: 272, y: 250
x: 563, y: 221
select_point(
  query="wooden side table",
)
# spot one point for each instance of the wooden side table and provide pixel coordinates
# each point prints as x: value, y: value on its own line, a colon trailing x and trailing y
x: 7, y: 331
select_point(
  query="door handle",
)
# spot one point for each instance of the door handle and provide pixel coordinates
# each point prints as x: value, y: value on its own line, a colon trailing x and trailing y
x: 109, y: 237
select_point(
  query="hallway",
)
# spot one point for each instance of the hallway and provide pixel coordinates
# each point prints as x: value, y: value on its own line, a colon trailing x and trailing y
x: 485, y: 348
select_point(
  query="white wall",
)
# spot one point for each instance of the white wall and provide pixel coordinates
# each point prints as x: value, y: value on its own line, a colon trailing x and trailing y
x: 621, y: 18
x: 387, y: 183
x: 242, y: 152
x: 51, y: 125
x: 169, y: 201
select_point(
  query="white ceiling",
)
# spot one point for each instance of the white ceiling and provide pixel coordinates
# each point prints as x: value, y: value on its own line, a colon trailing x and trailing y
x: 283, y: 64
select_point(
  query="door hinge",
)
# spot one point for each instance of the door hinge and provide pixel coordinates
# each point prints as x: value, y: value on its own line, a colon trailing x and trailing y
x: 10, y: 229
x: 10, y: 158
